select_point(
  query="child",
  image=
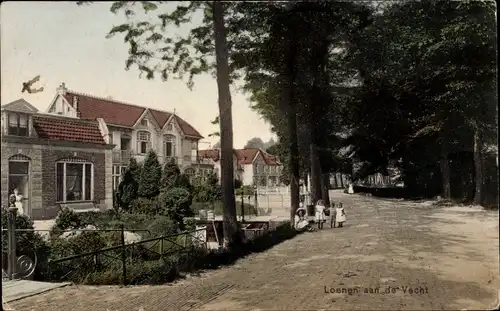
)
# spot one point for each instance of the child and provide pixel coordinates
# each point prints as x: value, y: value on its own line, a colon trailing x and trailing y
x: 320, y: 214
x: 333, y: 215
x: 340, y: 217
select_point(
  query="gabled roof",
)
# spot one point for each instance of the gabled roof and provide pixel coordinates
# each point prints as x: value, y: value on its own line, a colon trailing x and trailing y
x: 20, y: 105
x: 121, y: 114
x: 67, y: 129
x: 244, y: 156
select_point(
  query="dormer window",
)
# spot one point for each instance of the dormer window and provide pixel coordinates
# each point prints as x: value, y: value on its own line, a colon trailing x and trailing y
x: 170, y: 127
x: 18, y: 124
x: 144, y: 122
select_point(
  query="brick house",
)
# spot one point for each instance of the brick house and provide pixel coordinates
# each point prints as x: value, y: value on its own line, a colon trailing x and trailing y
x: 53, y: 161
x: 252, y: 166
x: 133, y: 130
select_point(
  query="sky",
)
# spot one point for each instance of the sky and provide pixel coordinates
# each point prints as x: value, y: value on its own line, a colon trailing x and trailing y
x: 63, y: 42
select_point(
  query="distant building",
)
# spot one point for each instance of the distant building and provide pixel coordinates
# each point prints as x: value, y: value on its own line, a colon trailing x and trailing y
x: 252, y: 166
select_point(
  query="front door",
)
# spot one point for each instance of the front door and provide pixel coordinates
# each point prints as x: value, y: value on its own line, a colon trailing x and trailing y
x: 19, y: 178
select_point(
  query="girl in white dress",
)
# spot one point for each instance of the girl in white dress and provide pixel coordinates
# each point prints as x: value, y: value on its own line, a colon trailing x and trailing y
x: 320, y: 214
x: 341, y: 217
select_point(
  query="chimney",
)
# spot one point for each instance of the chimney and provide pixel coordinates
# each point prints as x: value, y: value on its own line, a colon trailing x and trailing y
x: 75, y: 106
x: 61, y: 90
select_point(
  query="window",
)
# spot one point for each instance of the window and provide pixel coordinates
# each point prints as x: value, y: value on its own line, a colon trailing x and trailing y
x: 169, y: 145
x: 170, y: 127
x: 143, y: 142
x: 110, y: 138
x: 18, y: 124
x: 118, y: 172
x: 273, y: 169
x: 194, y: 145
x: 144, y: 122
x: 74, y: 181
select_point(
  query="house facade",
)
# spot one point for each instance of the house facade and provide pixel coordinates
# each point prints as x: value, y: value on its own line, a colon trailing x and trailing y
x: 53, y: 161
x: 133, y: 130
x: 252, y: 166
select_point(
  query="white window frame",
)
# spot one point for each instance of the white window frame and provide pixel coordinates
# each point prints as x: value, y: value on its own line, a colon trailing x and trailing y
x: 18, y: 116
x: 169, y: 138
x: 75, y: 161
x: 169, y: 127
x: 144, y: 122
x: 141, y: 140
x: 117, y: 176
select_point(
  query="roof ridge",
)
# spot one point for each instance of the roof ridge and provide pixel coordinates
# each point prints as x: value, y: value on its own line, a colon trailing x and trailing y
x: 65, y: 118
x: 117, y: 101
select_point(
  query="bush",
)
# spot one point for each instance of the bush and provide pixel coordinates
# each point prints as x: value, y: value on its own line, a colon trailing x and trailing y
x: 150, y: 177
x: 66, y: 219
x: 162, y: 226
x: 75, y: 270
x: 28, y: 243
x: 142, y: 206
x: 176, y: 203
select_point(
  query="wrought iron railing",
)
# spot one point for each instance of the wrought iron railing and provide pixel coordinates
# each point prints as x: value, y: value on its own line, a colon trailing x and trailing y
x: 80, y: 266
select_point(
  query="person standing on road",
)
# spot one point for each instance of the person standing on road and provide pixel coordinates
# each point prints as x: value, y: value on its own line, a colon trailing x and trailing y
x: 333, y: 215
x: 340, y: 217
x: 320, y: 214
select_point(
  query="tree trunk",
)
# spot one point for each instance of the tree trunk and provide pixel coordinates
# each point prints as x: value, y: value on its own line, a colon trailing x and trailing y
x: 445, y: 172
x: 325, y: 189
x: 342, y: 181
x: 230, y: 222
x: 294, y: 159
x: 315, y: 174
x: 335, y: 181
x: 478, y: 167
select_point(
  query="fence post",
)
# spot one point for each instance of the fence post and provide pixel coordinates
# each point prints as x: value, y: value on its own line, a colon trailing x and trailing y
x: 11, y: 232
x: 242, y: 207
x: 124, y: 256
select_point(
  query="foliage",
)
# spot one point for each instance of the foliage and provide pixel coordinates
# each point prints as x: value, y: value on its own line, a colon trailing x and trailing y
x: 176, y: 203
x: 237, y: 184
x: 170, y: 174
x: 28, y: 243
x: 162, y: 226
x: 66, y: 219
x: 150, y: 177
x: 129, y: 186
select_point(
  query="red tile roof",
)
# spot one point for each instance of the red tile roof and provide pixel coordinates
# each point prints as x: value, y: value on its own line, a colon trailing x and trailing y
x: 56, y: 128
x: 244, y: 156
x: 121, y: 114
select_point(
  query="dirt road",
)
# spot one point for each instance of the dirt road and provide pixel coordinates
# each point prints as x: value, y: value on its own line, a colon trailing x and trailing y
x: 390, y: 255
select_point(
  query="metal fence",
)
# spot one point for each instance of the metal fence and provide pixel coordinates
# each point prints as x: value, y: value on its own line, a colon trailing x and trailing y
x: 81, y: 265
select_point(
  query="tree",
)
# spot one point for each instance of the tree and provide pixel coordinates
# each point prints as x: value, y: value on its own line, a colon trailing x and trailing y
x: 231, y: 228
x: 170, y: 174
x: 128, y: 187
x: 150, y: 177
x: 176, y: 204
x: 255, y: 142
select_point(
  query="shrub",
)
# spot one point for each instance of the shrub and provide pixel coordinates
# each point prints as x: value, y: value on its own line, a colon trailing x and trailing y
x: 142, y: 206
x: 66, y: 219
x: 75, y: 270
x: 176, y: 203
x: 162, y: 226
x: 170, y: 174
x: 150, y: 177
x: 28, y: 243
